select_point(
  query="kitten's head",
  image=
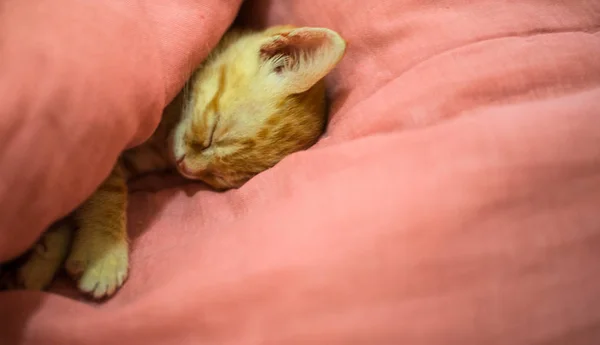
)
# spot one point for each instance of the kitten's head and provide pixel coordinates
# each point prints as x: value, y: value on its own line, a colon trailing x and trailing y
x: 257, y: 98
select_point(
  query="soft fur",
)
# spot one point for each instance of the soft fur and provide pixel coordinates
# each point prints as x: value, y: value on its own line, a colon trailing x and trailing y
x: 257, y: 98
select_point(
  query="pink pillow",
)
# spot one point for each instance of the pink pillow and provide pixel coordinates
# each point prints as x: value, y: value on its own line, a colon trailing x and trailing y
x: 80, y: 81
x: 454, y: 199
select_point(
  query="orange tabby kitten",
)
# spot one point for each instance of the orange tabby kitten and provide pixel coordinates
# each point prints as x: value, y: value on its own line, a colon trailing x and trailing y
x: 258, y: 97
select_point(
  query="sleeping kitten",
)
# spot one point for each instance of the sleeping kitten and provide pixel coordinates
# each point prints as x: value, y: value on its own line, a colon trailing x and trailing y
x: 258, y: 97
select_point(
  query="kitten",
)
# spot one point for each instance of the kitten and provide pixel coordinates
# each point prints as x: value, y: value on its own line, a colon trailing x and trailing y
x: 258, y: 97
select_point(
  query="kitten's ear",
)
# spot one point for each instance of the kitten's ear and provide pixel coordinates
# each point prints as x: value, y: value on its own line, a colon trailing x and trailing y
x: 296, y: 59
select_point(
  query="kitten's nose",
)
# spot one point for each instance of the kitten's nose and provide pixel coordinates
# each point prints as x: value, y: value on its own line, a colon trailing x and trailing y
x: 181, y: 165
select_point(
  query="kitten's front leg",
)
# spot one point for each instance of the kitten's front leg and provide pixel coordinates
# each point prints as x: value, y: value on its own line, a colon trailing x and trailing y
x: 99, y: 257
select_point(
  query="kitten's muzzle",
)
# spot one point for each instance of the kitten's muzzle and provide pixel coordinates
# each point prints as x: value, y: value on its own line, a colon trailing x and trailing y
x: 183, y: 169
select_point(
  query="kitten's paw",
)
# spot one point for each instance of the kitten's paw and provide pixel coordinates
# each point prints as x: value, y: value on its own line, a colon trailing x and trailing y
x: 100, y: 270
x: 39, y: 269
x: 42, y: 263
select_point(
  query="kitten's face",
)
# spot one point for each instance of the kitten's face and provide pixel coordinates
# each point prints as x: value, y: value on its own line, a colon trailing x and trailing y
x: 256, y: 99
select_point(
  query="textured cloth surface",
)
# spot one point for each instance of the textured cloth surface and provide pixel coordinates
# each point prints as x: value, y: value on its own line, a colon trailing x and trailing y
x: 454, y: 199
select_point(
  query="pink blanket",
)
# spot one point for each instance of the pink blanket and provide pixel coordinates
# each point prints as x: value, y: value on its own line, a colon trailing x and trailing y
x: 454, y: 199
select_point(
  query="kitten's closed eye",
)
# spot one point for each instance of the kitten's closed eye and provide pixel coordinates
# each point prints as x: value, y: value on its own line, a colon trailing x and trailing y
x: 199, y: 144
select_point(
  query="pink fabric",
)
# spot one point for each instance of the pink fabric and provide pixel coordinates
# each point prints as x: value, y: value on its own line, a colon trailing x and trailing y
x: 80, y: 81
x: 454, y: 199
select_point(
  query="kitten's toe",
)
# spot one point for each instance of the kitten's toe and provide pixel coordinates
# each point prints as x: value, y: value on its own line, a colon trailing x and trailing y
x: 102, y: 271
x: 75, y: 266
